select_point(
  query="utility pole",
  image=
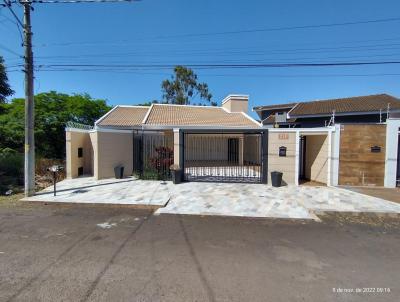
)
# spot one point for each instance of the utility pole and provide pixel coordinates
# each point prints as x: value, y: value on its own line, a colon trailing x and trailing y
x: 29, y: 104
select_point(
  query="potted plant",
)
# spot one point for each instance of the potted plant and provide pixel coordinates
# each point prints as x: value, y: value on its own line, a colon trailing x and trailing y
x: 176, y: 173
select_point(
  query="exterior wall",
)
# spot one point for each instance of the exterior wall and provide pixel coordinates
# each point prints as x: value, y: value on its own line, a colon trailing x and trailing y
x: 177, y: 148
x: 93, y: 140
x: 76, y: 139
x: 286, y: 165
x: 233, y: 104
x: 316, y: 165
x: 357, y: 164
x: 392, y: 152
x: 113, y: 148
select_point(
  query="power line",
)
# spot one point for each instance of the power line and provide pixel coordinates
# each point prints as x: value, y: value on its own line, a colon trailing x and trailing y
x: 10, y: 50
x: 217, y: 66
x: 7, y: 4
x: 223, y: 75
x: 311, y: 26
x: 272, y: 29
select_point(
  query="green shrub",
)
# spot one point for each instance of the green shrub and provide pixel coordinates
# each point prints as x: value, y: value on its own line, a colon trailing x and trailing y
x: 11, y: 169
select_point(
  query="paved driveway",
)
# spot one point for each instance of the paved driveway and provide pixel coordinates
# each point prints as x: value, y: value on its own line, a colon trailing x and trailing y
x: 228, y: 199
x: 127, y: 191
x: 257, y: 200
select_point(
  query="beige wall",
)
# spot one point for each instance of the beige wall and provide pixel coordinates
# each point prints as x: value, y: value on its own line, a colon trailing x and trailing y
x: 236, y: 105
x: 286, y: 165
x: 93, y: 140
x: 75, y: 140
x: 316, y: 165
x: 113, y: 149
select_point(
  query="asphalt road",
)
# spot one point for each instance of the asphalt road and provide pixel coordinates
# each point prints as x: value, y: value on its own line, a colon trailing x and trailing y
x: 59, y: 253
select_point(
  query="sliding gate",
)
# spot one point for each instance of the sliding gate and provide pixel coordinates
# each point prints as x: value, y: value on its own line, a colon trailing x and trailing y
x: 225, y: 157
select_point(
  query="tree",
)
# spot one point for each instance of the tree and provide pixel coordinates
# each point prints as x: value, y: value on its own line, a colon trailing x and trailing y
x: 52, y: 111
x: 183, y: 88
x: 5, y: 89
x: 149, y: 103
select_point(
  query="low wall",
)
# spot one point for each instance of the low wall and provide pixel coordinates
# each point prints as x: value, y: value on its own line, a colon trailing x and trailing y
x: 287, y: 164
x: 112, y: 149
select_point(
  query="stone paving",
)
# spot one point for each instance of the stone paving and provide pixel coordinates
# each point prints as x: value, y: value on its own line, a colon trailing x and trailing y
x: 257, y: 200
x: 227, y: 199
x: 127, y: 191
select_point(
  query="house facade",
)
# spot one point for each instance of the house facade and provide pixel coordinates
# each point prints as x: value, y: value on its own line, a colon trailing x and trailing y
x: 224, y: 144
x: 205, y: 142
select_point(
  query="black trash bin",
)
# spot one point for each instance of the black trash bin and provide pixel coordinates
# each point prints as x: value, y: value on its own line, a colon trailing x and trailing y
x: 119, y: 172
x: 276, y: 178
x: 176, y: 176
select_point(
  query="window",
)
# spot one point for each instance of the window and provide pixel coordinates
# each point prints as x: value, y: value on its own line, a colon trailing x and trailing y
x: 80, y: 152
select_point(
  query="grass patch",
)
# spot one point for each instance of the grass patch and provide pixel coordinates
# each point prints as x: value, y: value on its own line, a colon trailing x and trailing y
x: 13, y: 200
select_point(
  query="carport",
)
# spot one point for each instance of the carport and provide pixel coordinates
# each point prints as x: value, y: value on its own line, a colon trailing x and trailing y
x: 224, y: 155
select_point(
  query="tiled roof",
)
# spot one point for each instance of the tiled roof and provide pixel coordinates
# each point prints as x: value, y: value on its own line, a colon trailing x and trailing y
x: 271, y: 120
x: 175, y: 115
x: 124, y: 116
x: 196, y: 115
x: 275, y: 106
x: 369, y: 103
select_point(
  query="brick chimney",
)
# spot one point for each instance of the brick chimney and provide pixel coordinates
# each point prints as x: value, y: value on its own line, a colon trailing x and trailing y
x: 236, y: 103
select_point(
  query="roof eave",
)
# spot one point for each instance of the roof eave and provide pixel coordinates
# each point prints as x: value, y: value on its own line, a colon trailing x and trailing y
x: 341, y: 113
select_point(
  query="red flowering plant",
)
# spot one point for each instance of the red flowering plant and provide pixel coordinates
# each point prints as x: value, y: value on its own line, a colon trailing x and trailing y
x: 162, y: 161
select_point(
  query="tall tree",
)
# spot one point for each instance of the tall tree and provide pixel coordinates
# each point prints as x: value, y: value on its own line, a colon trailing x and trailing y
x: 5, y: 89
x: 183, y: 88
x: 52, y: 111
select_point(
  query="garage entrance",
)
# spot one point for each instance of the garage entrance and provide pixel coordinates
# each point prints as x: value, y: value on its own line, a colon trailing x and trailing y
x: 224, y: 157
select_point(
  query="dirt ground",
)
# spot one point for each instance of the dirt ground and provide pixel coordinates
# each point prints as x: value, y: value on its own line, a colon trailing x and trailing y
x: 87, y: 253
x: 384, y: 193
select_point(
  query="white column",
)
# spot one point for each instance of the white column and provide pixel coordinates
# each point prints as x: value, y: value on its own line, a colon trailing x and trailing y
x: 297, y: 158
x: 392, y: 133
x: 335, y: 156
x: 329, y: 176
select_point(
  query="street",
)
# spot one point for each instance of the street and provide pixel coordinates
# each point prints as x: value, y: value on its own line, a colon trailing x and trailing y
x: 86, y: 253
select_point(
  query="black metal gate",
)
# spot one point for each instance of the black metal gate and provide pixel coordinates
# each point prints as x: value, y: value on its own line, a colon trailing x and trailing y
x: 224, y: 157
x: 153, y: 154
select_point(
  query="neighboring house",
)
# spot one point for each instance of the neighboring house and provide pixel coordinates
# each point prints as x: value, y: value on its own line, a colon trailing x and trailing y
x: 361, y: 109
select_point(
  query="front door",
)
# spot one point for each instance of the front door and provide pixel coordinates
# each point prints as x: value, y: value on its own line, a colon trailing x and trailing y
x: 233, y: 150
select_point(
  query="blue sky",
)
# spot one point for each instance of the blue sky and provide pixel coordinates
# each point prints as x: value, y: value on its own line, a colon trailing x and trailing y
x: 167, y: 32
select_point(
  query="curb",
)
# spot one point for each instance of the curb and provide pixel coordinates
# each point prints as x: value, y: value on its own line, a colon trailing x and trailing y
x: 355, y: 214
x: 94, y: 204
